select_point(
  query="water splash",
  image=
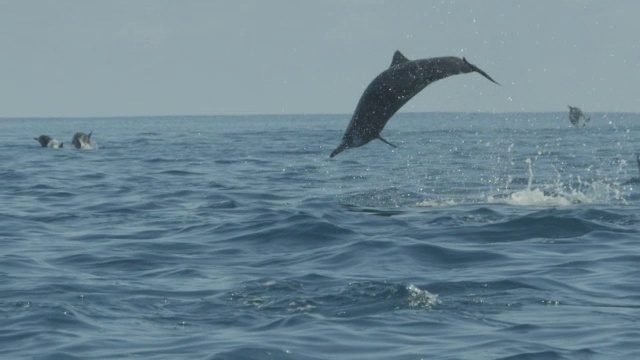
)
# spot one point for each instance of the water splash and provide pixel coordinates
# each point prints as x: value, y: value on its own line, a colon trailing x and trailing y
x: 421, y: 299
x: 530, y: 180
x: 563, y: 194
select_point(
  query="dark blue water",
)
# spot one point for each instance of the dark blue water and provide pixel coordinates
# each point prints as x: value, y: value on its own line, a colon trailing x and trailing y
x: 483, y: 236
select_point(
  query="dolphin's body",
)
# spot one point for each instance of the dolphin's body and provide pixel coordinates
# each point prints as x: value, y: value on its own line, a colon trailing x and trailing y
x: 81, y: 140
x: 390, y: 90
x: 575, y: 114
x: 48, y: 141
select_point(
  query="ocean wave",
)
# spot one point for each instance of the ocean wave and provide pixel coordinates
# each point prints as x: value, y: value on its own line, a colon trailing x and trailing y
x: 517, y: 240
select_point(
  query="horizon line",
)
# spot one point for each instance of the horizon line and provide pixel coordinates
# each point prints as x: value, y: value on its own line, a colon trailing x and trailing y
x: 289, y: 114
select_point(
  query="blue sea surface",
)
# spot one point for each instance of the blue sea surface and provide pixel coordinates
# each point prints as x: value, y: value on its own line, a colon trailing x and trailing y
x: 482, y: 236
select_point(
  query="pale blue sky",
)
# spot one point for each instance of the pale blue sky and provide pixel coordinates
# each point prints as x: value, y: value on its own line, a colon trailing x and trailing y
x: 155, y: 57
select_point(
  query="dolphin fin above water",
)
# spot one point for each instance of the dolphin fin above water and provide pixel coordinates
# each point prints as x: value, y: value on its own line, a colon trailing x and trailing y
x: 393, y: 88
x: 386, y: 142
x: 398, y: 58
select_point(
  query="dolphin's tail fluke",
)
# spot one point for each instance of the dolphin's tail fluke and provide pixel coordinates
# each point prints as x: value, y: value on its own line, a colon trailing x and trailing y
x: 342, y: 147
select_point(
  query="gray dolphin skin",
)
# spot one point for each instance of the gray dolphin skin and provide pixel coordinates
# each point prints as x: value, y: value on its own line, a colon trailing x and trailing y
x: 393, y: 88
x: 575, y: 114
x: 81, y: 140
x: 48, y: 141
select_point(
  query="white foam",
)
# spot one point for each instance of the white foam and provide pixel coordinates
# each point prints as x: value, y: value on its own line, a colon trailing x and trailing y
x: 89, y: 146
x: 535, y: 197
x: 421, y: 299
x: 436, y: 203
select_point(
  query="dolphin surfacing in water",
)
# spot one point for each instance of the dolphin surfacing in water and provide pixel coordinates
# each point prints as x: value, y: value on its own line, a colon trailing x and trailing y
x: 81, y: 140
x: 575, y: 114
x: 49, y: 142
x: 393, y: 88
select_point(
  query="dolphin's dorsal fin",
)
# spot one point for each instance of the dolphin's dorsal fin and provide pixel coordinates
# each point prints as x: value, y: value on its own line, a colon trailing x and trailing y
x: 398, y: 58
x: 90, y: 132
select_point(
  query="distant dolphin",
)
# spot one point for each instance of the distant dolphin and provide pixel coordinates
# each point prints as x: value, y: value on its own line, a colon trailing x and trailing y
x: 391, y: 89
x: 81, y: 140
x: 575, y: 114
x: 48, y: 141
x: 634, y: 180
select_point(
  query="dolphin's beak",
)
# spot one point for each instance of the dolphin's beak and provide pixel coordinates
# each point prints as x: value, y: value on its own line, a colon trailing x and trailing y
x: 477, y: 69
x: 342, y: 147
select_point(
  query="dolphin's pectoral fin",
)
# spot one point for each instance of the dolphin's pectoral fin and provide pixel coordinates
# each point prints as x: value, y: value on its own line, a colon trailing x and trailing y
x: 386, y: 142
x: 398, y: 58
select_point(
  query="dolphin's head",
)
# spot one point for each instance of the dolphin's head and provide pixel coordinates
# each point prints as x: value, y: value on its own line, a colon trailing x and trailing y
x: 349, y: 140
x: 472, y: 68
x: 43, y: 140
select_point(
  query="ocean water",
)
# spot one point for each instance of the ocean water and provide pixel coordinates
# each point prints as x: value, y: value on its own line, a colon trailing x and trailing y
x: 482, y: 236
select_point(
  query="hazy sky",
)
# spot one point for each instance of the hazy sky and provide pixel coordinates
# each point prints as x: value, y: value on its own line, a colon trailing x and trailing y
x: 155, y: 57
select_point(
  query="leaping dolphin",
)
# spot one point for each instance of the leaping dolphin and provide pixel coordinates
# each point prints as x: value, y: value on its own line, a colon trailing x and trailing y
x: 391, y: 89
x: 575, y: 114
x: 81, y: 140
x: 48, y: 141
